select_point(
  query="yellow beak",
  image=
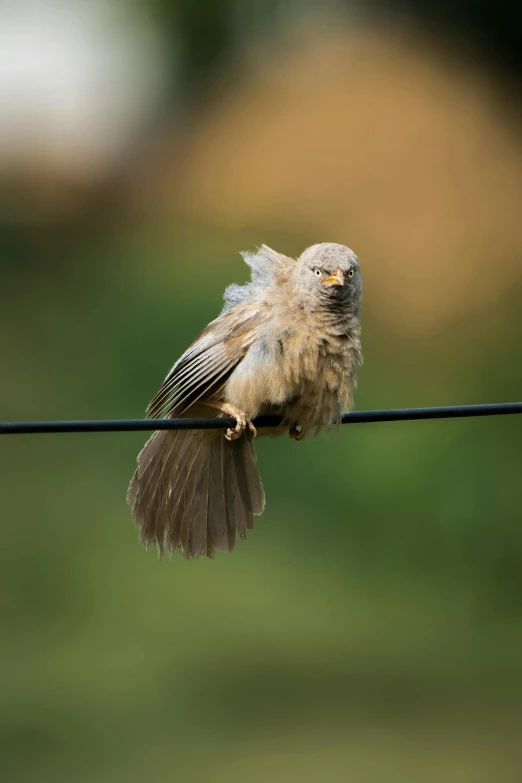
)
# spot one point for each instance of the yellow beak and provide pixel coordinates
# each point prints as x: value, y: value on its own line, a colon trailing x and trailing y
x: 336, y: 279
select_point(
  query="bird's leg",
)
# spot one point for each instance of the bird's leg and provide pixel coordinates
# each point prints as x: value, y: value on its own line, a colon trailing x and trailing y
x: 242, y: 420
x: 296, y: 434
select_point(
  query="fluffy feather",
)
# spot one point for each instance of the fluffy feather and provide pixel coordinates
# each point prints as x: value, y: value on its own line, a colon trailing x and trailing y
x: 268, y: 267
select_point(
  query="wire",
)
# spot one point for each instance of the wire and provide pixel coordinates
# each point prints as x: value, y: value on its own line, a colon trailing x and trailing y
x: 356, y: 417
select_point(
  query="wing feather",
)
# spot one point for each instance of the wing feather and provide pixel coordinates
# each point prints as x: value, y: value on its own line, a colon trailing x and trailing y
x: 208, y: 360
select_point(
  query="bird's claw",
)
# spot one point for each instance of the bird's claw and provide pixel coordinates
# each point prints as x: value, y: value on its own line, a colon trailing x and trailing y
x: 242, y: 422
x: 296, y: 434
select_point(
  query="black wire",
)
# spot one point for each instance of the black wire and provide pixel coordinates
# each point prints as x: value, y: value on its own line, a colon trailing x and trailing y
x: 356, y: 417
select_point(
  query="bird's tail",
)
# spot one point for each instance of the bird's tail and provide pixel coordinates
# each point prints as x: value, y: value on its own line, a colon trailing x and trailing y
x: 195, y: 490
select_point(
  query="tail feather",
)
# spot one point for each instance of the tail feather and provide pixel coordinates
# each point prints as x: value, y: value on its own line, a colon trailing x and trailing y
x: 195, y: 516
x: 194, y: 491
x: 231, y: 490
x: 153, y: 482
x: 217, y: 510
x: 243, y: 517
x: 176, y: 498
x: 158, y: 486
x: 250, y: 486
x: 189, y: 470
x: 149, y: 473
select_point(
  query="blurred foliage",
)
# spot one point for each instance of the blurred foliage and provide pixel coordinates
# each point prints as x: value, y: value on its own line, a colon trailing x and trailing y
x: 494, y: 31
x: 210, y: 32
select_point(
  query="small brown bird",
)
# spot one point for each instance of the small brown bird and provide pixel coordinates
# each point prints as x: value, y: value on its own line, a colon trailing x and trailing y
x: 286, y: 344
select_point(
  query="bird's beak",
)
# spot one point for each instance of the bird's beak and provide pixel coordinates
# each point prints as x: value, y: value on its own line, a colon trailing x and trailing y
x: 336, y: 279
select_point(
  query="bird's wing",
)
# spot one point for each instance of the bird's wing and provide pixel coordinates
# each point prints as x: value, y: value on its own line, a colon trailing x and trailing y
x: 208, y: 361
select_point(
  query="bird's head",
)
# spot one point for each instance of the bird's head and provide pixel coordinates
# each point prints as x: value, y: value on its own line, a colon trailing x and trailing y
x: 329, y: 275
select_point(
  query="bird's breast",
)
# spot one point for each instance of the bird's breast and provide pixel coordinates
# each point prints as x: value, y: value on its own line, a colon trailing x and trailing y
x: 320, y: 372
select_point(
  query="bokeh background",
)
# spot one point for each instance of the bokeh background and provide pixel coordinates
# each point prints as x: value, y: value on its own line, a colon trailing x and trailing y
x: 371, y: 627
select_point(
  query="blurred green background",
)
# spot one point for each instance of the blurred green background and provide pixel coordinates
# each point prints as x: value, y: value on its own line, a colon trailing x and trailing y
x: 370, y: 628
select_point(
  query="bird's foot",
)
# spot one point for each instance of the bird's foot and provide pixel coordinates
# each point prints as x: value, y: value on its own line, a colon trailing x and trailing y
x: 242, y: 420
x: 296, y: 434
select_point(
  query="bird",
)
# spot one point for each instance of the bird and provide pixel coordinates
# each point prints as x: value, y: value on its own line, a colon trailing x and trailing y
x: 286, y: 344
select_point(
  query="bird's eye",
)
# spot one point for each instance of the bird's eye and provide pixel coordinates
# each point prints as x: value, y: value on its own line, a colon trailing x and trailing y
x: 351, y: 272
x: 317, y: 272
